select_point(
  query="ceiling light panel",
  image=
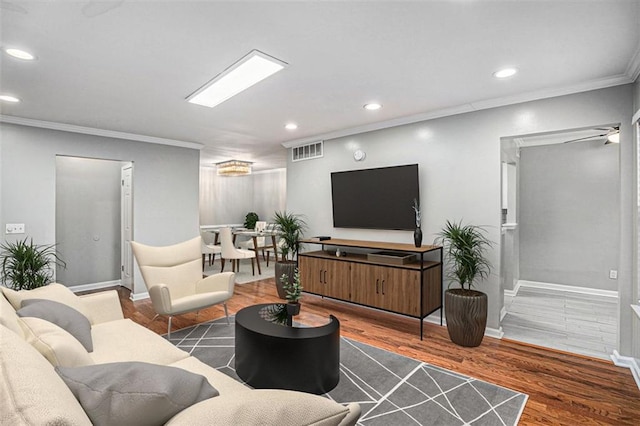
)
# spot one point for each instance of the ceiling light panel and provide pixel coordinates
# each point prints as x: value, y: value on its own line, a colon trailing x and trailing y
x: 372, y: 106
x: 249, y: 70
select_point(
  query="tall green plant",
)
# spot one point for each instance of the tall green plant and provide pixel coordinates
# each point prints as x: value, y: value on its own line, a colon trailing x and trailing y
x: 464, y: 248
x: 26, y: 266
x: 291, y: 228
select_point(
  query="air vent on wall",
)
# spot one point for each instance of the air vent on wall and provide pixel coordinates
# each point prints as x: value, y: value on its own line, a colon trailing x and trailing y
x: 307, y: 152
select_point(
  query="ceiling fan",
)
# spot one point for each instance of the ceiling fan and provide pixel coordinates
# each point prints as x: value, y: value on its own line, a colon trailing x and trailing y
x: 610, y: 134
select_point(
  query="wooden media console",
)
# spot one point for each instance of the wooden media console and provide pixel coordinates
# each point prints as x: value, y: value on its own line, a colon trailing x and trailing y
x: 389, y: 276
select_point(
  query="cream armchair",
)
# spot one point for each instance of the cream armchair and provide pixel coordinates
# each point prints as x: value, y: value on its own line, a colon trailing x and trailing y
x: 173, y: 277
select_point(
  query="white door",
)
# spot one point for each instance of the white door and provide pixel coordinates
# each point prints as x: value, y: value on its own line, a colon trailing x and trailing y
x: 126, y: 202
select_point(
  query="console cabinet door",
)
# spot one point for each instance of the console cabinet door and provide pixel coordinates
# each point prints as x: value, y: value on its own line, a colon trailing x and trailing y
x: 325, y: 277
x: 392, y: 289
x: 366, y: 281
x: 338, y: 279
x: 400, y: 291
x: 312, y: 274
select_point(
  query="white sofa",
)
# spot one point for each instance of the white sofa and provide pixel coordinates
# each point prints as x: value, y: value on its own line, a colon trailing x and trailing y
x: 33, y: 393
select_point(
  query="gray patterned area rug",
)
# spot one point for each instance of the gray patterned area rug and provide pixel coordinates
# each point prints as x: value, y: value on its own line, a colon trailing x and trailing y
x: 390, y: 388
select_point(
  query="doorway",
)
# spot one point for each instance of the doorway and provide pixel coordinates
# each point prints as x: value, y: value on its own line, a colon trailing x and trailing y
x: 89, y: 212
x: 560, y: 239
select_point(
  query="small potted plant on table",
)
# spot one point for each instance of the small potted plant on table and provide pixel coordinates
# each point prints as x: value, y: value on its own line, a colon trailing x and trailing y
x: 293, y: 291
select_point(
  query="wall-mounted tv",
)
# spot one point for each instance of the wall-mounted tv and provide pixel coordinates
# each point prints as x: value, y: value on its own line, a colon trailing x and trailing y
x: 380, y: 198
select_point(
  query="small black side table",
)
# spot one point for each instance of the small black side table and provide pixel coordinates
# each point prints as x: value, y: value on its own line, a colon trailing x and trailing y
x: 271, y: 355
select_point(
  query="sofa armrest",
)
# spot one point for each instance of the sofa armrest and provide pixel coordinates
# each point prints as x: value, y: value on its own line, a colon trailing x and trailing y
x: 353, y: 415
x: 104, y: 306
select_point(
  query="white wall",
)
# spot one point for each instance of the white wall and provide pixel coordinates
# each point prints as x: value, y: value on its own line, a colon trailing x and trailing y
x: 228, y: 199
x: 88, y: 220
x: 165, y: 192
x: 459, y: 158
x: 569, y: 210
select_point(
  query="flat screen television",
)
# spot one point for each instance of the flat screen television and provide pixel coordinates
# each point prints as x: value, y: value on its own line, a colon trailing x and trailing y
x: 380, y: 198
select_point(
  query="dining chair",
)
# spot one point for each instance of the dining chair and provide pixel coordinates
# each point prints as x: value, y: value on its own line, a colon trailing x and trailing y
x: 174, y: 279
x: 248, y: 244
x: 277, y: 249
x: 231, y: 253
x: 211, y: 250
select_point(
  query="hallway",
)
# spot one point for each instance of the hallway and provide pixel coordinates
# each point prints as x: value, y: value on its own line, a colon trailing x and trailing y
x: 574, y: 322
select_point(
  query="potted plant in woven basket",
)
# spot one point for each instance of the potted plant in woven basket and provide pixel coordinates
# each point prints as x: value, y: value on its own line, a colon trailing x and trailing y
x: 291, y: 228
x: 465, y: 309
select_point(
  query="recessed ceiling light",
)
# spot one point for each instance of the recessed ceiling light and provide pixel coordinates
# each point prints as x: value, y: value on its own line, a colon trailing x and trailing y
x: 291, y: 126
x: 249, y: 70
x: 372, y: 106
x: 504, y: 73
x: 9, y: 98
x: 20, y: 54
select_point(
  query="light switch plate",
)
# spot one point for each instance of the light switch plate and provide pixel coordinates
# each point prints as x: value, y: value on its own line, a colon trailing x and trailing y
x: 613, y: 274
x: 14, y: 228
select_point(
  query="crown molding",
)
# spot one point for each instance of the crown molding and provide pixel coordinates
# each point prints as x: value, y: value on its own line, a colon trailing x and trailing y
x: 633, y: 69
x: 97, y: 132
x: 381, y: 125
x: 470, y: 107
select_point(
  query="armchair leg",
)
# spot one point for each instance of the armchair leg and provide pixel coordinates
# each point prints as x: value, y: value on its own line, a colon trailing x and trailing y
x: 222, y: 262
x: 153, y: 319
x: 253, y: 266
x: 226, y: 312
x: 169, y: 328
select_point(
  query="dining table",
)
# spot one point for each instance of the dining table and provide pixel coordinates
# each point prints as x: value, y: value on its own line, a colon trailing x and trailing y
x: 253, y: 234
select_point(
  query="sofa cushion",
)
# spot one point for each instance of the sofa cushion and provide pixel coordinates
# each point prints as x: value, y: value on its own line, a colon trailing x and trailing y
x: 56, y: 292
x: 61, y: 315
x: 218, y: 379
x: 31, y: 393
x: 268, y: 407
x: 134, y: 393
x: 8, y: 316
x: 124, y: 340
x: 58, y: 346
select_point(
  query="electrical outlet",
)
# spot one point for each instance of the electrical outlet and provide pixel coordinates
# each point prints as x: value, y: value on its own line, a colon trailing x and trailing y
x: 613, y: 274
x: 14, y: 228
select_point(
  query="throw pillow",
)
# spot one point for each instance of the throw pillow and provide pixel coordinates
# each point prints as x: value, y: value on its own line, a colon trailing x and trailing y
x: 61, y: 315
x: 135, y: 393
x: 55, y: 344
x: 55, y: 291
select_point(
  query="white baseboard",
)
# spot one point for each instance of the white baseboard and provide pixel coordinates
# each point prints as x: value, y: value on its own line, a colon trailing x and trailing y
x: 514, y: 292
x: 562, y: 287
x: 95, y: 286
x: 627, y: 362
x: 503, y: 313
x: 491, y: 332
x: 494, y: 332
x: 139, y: 296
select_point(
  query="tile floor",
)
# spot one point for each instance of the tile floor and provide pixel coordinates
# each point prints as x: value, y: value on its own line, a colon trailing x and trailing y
x: 573, y: 322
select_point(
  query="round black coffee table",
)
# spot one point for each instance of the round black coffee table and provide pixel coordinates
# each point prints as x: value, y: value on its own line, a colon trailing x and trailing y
x: 272, y: 355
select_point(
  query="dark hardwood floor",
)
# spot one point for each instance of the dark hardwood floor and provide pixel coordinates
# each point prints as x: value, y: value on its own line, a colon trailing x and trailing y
x: 563, y: 389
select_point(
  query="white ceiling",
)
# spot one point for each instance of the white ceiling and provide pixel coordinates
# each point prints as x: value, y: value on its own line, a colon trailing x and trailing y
x: 127, y: 66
